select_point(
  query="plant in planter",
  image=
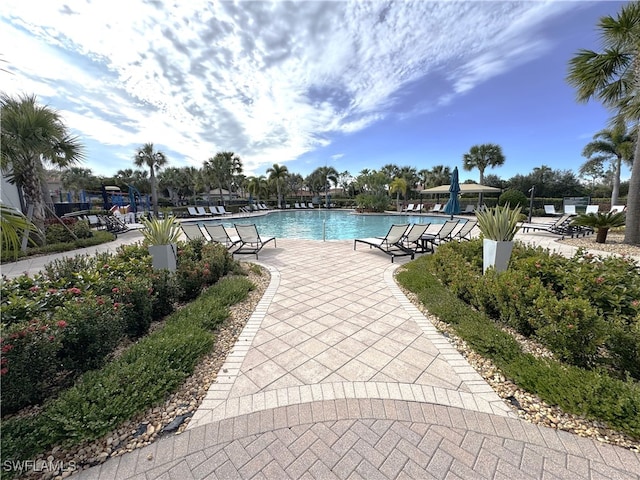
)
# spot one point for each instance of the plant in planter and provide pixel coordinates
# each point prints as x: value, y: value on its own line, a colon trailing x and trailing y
x: 498, y: 226
x: 161, y: 235
x: 601, y: 221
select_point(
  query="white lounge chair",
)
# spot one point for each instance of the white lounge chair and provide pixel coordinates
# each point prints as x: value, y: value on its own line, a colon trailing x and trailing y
x: 310, y: 205
x: 570, y: 210
x: 391, y: 243
x: 468, y: 209
x: 250, y: 240
x: 592, y: 209
x: 617, y: 208
x: 217, y: 233
x: 550, y: 210
x: 193, y: 212
x: 436, y: 208
x: 442, y: 235
x: 202, y: 212
x: 192, y: 232
x: 222, y: 210
x: 418, y: 208
x: 409, y: 208
x: 412, y: 239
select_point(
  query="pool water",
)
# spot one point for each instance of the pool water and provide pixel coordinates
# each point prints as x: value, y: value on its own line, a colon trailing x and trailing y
x: 338, y: 224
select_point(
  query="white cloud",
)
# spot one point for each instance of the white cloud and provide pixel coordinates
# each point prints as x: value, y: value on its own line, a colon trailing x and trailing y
x: 270, y: 81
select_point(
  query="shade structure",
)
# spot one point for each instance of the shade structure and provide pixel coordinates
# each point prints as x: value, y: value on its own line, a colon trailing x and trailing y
x: 464, y: 188
x: 452, y: 207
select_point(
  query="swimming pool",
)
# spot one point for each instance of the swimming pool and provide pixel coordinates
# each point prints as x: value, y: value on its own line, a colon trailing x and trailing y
x: 338, y: 224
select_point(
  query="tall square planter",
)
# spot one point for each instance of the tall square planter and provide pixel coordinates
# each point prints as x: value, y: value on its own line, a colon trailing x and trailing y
x: 496, y: 254
x: 163, y: 256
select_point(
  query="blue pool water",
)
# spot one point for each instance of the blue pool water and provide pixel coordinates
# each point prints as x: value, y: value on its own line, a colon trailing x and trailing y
x: 338, y: 224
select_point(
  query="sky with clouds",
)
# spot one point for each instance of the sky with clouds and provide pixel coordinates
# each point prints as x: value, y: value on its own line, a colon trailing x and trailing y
x: 350, y: 84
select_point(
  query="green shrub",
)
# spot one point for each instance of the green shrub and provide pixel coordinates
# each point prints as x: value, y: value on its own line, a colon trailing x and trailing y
x: 571, y: 328
x: 140, y: 378
x: 29, y: 363
x: 592, y: 393
x: 94, y: 328
x: 512, y: 197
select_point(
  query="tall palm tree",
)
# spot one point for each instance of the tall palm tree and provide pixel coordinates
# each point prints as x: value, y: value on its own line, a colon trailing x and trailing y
x: 257, y: 186
x: 481, y: 157
x: 278, y: 174
x: 614, y: 145
x: 613, y: 77
x: 398, y: 186
x: 169, y: 181
x: 33, y: 134
x: 148, y: 156
x: 436, y: 176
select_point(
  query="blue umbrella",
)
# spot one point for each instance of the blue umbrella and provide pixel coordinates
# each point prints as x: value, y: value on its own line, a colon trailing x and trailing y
x: 453, y: 205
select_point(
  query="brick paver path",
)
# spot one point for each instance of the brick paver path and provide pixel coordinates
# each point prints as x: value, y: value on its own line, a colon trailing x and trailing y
x: 338, y: 375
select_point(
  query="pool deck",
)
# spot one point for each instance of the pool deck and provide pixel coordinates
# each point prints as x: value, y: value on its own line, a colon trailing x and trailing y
x: 337, y: 375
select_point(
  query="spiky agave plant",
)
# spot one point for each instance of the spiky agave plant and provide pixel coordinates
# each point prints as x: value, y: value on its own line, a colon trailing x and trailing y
x: 601, y: 221
x: 499, y: 223
x: 161, y: 231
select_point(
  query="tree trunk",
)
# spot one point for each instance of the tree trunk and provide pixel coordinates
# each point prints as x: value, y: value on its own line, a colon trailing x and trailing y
x: 154, y: 191
x: 632, y: 230
x: 601, y: 235
x: 615, y: 192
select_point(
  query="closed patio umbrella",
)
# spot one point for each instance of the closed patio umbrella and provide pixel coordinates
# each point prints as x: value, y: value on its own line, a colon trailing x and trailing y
x: 452, y: 207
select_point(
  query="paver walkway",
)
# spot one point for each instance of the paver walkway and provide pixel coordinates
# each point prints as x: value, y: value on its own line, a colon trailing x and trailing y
x: 338, y: 375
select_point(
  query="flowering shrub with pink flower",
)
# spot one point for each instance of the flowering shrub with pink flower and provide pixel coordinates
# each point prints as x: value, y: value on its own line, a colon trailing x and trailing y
x: 86, y: 305
x: 586, y: 309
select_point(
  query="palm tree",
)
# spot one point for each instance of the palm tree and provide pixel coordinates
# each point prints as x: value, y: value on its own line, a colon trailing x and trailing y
x: 257, y: 186
x: 278, y: 174
x: 611, y: 144
x: 613, y: 77
x: 222, y: 168
x: 481, y: 157
x: 154, y: 159
x: 436, y: 176
x: 601, y: 221
x: 76, y: 179
x: 33, y: 134
x: 398, y: 186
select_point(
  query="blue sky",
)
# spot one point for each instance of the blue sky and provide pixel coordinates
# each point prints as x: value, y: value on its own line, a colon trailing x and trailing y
x: 353, y: 84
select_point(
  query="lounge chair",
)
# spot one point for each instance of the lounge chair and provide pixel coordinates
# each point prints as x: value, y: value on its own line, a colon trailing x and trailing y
x: 310, y: 205
x: 464, y: 233
x: 570, y: 210
x: 418, y: 208
x: 112, y: 224
x: 214, y: 210
x: 617, y: 208
x: 412, y: 238
x: 222, y: 210
x: 250, y: 240
x: 202, y: 212
x: 442, y: 235
x: 217, y: 233
x: 592, y: 209
x: 436, y: 208
x: 391, y: 243
x: 194, y: 213
x: 468, y: 209
x: 562, y: 226
x: 551, y: 210
x: 409, y: 208
x: 192, y: 232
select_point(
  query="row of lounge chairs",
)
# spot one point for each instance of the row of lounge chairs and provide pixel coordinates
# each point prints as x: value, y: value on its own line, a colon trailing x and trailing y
x: 409, y: 239
x: 301, y: 205
x: 109, y: 223
x: 563, y: 226
x: 247, y: 240
x: 439, y: 208
x: 202, y: 211
x: 571, y: 209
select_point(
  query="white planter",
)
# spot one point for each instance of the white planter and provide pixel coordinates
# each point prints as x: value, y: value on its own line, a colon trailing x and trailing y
x: 496, y: 254
x: 163, y: 256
